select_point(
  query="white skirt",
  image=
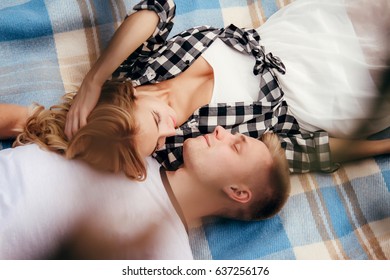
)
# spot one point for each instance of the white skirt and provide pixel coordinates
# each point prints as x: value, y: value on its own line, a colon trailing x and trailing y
x: 334, y: 52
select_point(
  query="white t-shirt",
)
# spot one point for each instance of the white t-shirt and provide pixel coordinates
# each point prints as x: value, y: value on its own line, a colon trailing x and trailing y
x: 233, y: 74
x: 43, y: 196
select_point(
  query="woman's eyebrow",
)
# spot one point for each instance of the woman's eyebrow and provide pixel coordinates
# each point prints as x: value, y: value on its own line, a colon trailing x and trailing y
x: 155, y: 120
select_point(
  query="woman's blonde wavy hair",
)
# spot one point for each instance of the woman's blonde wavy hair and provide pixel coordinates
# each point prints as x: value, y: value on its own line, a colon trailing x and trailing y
x: 106, y: 142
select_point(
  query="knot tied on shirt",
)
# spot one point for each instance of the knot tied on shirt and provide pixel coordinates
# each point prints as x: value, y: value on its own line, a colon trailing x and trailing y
x: 268, y: 60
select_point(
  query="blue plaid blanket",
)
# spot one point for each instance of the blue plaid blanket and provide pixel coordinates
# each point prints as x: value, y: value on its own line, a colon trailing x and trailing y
x: 46, y: 48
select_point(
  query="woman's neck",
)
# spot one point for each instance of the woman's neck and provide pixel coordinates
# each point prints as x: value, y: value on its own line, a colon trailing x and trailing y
x: 186, y: 92
x: 189, y: 94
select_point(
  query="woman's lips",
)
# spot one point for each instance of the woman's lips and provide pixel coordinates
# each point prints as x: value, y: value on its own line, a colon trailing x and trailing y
x: 174, y: 121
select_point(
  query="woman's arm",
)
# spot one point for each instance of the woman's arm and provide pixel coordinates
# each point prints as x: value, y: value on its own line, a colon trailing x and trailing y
x: 346, y: 150
x: 12, y: 120
x: 134, y: 31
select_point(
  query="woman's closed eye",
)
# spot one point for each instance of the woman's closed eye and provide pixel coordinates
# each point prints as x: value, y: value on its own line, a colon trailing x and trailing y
x: 157, y: 120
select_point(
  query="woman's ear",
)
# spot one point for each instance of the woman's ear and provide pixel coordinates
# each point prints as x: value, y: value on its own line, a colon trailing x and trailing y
x: 238, y: 193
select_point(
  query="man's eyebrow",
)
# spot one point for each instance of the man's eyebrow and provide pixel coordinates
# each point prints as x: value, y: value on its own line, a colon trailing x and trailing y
x: 245, y: 142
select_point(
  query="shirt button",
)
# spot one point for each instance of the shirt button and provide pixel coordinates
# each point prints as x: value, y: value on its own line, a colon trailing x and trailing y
x: 187, y: 61
x: 150, y: 74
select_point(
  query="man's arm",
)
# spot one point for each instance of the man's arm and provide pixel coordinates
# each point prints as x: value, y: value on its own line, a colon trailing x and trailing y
x: 12, y: 120
x: 346, y: 150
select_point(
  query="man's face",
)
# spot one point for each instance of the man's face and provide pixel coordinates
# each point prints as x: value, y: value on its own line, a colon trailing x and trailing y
x: 223, y: 158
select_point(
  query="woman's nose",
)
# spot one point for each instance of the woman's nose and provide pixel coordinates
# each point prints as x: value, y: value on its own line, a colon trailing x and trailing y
x: 160, y: 142
x: 166, y: 130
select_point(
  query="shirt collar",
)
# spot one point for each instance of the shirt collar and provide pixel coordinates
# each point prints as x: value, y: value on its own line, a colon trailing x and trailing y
x: 172, y: 197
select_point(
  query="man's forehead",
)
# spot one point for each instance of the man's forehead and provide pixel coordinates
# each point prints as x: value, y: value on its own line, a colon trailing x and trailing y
x: 259, y: 149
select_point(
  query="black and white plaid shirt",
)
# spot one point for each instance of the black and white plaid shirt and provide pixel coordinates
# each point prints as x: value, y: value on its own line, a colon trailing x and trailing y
x: 159, y: 59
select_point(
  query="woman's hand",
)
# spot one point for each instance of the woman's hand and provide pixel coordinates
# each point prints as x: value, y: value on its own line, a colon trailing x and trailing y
x: 84, y: 102
x: 135, y: 30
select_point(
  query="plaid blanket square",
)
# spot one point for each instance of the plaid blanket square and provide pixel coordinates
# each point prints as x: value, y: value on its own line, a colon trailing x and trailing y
x: 46, y: 48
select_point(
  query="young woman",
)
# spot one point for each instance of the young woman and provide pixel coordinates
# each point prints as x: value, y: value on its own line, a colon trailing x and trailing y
x: 321, y: 84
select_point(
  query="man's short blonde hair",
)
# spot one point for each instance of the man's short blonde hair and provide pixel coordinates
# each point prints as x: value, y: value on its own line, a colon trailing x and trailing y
x: 268, y: 197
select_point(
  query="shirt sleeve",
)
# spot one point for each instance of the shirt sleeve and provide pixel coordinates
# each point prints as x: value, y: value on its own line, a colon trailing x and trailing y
x: 165, y: 10
x: 307, y: 152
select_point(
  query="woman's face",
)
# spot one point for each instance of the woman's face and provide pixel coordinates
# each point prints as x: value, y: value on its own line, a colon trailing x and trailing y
x: 157, y: 120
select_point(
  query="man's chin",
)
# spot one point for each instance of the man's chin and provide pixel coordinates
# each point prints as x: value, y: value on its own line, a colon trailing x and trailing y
x: 189, y: 150
x: 188, y: 142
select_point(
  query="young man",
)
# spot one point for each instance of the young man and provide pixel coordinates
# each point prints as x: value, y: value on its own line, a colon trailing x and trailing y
x: 45, y: 198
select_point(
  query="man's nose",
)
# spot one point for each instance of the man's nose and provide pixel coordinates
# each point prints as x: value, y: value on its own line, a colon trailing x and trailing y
x: 227, y: 137
x: 219, y: 132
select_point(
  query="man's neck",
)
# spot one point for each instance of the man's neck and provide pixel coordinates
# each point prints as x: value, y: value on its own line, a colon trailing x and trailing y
x: 172, y: 197
x: 193, y: 201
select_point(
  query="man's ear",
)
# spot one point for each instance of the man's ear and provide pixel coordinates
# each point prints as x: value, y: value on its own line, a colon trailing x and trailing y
x: 239, y: 193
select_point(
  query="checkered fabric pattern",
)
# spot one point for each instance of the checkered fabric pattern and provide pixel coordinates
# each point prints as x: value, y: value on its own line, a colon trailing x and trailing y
x: 46, y: 48
x: 157, y: 60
